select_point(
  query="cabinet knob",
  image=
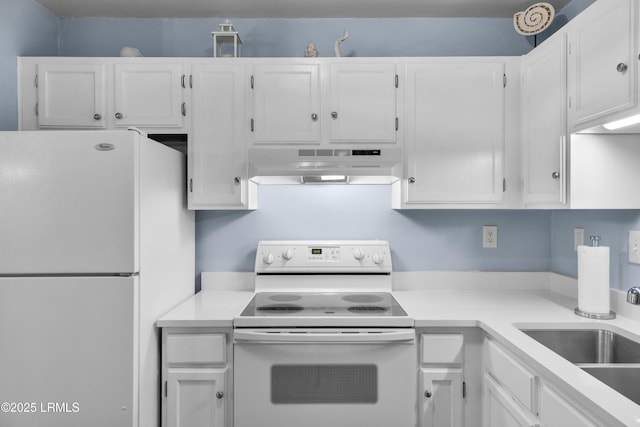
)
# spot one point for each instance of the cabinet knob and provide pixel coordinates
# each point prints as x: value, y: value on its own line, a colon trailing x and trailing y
x: 622, y: 67
x: 314, y: 117
x: 334, y: 115
x: 237, y: 180
x: 427, y: 393
x: 118, y: 115
x: 555, y: 175
x: 97, y: 116
x: 219, y: 395
x: 411, y: 180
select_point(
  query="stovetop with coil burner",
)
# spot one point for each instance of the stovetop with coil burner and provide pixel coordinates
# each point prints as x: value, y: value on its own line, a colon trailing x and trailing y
x: 323, y: 304
x: 323, y: 284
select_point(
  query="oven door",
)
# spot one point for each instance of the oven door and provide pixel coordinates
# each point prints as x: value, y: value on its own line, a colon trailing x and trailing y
x: 320, y: 378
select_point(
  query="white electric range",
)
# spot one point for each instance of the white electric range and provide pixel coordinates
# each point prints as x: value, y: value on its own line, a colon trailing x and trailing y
x: 323, y: 341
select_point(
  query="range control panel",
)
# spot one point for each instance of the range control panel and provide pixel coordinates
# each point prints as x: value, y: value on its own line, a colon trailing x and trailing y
x: 296, y: 256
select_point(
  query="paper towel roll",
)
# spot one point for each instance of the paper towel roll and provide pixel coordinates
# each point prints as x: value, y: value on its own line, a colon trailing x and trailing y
x: 593, y: 279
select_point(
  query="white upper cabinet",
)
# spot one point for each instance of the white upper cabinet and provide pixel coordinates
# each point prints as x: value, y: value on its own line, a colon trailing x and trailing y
x: 455, y: 132
x: 102, y: 93
x: 148, y: 95
x: 323, y: 101
x: 363, y: 103
x: 217, y: 150
x: 286, y: 103
x: 603, y: 66
x: 72, y: 95
x: 544, y: 125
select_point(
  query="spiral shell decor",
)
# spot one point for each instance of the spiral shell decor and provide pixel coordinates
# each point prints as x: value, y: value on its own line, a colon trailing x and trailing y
x: 534, y: 20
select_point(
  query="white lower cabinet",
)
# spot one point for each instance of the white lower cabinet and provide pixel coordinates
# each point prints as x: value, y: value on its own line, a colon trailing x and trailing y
x: 556, y: 411
x: 501, y: 409
x: 442, y: 397
x: 196, y: 397
x: 196, y: 377
x: 510, y: 389
x: 441, y: 381
x: 515, y: 395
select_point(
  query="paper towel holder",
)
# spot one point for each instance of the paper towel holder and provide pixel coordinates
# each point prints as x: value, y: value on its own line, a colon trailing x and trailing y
x: 595, y: 242
x: 597, y: 316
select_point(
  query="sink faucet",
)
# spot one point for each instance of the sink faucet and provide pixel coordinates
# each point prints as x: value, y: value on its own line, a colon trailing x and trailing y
x: 633, y: 295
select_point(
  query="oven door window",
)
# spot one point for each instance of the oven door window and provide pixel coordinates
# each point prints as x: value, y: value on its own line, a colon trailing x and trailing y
x: 300, y: 384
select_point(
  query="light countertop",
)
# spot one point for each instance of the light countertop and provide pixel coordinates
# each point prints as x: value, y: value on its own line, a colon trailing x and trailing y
x: 500, y: 313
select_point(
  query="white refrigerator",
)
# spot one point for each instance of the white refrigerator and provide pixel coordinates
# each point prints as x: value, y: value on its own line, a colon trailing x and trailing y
x: 96, y: 243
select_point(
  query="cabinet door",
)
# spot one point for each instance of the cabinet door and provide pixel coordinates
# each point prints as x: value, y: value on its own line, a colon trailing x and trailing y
x: 442, y: 398
x: 71, y: 95
x: 217, y: 155
x: 148, y: 95
x: 363, y: 103
x: 544, y: 123
x: 195, y: 398
x: 603, y: 62
x: 286, y: 103
x: 455, y: 132
x: 555, y: 411
x: 501, y: 409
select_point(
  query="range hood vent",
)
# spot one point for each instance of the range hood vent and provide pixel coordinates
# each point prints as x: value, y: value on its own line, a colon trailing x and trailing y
x: 294, y: 165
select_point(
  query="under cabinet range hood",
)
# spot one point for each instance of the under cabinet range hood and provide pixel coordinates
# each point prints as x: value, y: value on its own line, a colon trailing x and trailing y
x: 316, y: 165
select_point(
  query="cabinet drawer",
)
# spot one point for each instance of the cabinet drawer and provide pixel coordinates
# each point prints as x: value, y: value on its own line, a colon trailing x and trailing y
x: 442, y: 348
x: 512, y: 375
x: 196, y: 349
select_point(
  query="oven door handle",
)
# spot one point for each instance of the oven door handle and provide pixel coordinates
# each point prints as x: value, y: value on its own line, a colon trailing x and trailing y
x: 330, y: 337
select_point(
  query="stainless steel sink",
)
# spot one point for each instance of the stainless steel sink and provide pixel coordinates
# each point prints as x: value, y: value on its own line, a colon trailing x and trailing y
x: 607, y: 356
x: 588, y: 345
x: 623, y: 379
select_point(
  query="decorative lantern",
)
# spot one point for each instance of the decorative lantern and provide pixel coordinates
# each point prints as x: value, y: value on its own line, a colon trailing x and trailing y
x: 226, y: 42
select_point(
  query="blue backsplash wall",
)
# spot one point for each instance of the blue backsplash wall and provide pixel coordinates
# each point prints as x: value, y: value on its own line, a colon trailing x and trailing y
x: 420, y: 240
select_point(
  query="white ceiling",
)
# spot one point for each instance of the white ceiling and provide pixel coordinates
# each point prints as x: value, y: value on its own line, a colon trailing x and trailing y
x: 290, y: 8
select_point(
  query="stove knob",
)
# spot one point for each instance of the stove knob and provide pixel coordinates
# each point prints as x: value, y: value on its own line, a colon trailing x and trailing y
x: 269, y: 258
x: 287, y: 254
x: 358, y: 254
x: 377, y: 258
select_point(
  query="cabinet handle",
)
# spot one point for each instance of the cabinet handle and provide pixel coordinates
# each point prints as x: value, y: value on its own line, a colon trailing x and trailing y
x: 412, y: 180
x: 427, y: 393
x: 184, y: 109
x: 622, y: 67
x: 555, y: 175
x: 182, y: 82
x: 314, y: 117
x: 334, y: 115
x: 97, y: 116
x: 219, y: 395
x: 118, y: 115
x: 237, y: 180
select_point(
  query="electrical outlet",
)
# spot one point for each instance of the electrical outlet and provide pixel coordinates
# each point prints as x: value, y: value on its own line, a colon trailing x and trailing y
x: 634, y: 247
x: 489, y: 236
x: 578, y: 237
